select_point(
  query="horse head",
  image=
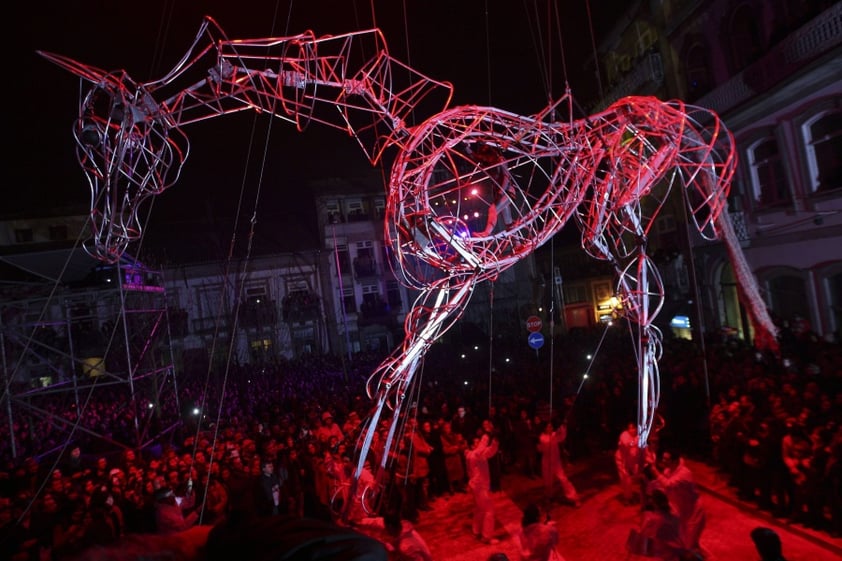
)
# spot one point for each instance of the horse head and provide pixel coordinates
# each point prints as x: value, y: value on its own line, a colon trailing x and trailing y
x: 129, y: 149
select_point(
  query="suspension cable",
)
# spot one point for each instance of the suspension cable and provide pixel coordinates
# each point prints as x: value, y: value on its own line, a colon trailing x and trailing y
x: 593, y: 46
x: 238, y: 298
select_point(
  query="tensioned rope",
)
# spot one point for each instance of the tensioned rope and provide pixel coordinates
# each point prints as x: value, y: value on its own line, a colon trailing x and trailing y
x: 240, y: 288
x: 544, y: 57
x: 491, y: 287
x: 593, y: 46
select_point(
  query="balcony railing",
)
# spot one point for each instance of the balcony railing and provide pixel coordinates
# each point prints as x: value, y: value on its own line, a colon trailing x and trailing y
x: 816, y: 37
x: 206, y: 325
x: 376, y: 312
x: 359, y: 216
x: 738, y: 219
x: 300, y: 307
x: 261, y: 314
x: 365, y: 267
x: 644, y: 78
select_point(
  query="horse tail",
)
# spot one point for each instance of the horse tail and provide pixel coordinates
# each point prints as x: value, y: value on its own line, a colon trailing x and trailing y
x: 765, y: 331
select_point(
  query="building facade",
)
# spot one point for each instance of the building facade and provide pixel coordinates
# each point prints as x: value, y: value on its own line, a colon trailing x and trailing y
x: 772, y: 70
x: 365, y: 303
x: 259, y: 310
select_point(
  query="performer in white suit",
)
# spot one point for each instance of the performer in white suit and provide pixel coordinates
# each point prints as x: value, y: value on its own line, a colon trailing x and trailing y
x: 552, y: 468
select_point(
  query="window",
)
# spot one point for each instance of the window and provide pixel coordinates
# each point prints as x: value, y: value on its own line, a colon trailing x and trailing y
x: 23, y: 235
x: 824, y: 150
x: 178, y: 319
x: 646, y: 37
x: 334, y: 213
x: 304, y: 339
x: 365, y: 264
x: 833, y: 287
x: 294, y: 285
x: 349, y: 301
x: 380, y: 207
x: 299, y: 303
x: 389, y: 258
x: 58, y: 233
x: 258, y: 309
x: 602, y: 291
x: 261, y: 348
x: 342, y: 259
x: 256, y: 293
x: 575, y: 294
x: 788, y: 294
x: 356, y: 211
x: 373, y: 304
x: 210, y: 301
x: 698, y: 73
x: 768, y: 177
x: 612, y: 71
x: 745, y: 39
x: 393, y: 295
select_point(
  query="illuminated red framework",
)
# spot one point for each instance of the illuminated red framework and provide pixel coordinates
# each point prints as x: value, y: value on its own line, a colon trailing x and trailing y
x: 472, y: 191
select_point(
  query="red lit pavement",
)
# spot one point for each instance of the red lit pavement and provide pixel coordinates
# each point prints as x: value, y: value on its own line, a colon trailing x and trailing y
x: 598, y: 529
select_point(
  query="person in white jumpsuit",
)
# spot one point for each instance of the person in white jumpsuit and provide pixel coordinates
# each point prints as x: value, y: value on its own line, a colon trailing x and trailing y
x: 552, y: 469
x: 628, y: 461
x: 479, y: 482
x: 676, y: 481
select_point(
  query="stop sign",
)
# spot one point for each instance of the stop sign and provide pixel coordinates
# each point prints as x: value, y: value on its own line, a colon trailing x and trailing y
x: 533, y: 324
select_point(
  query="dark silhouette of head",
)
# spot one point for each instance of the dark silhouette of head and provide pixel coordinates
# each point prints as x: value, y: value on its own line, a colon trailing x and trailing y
x: 768, y: 544
x: 531, y: 515
x: 660, y: 501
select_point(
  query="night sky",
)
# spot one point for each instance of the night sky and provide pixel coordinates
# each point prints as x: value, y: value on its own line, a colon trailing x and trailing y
x: 495, y: 52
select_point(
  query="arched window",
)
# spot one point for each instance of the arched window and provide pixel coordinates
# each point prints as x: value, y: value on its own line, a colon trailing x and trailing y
x: 744, y: 37
x: 823, y: 143
x: 728, y: 303
x: 789, y: 296
x: 768, y: 176
x: 698, y: 72
x: 833, y: 286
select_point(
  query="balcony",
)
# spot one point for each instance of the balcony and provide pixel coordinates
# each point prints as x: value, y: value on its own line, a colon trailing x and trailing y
x: 359, y: 216
x: 365, y: 267
x: 209, y: 325
x: 258, y: 314
x: 738, y: 219
x: 300, y: 307
x: 644, y: 78
x: 806, y: 44
x: 378, y: 312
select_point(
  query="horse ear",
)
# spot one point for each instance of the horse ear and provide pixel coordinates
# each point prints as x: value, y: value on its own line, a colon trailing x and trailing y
x: 90, y: 73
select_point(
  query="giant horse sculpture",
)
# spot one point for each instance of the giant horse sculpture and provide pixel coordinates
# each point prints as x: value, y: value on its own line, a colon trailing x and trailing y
x: 472, y: 190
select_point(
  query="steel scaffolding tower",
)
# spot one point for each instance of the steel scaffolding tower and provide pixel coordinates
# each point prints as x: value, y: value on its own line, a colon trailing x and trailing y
x: 91, y: 363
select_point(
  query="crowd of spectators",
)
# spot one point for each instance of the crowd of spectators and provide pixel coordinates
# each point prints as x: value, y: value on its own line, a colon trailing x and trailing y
x: 772, y: 424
